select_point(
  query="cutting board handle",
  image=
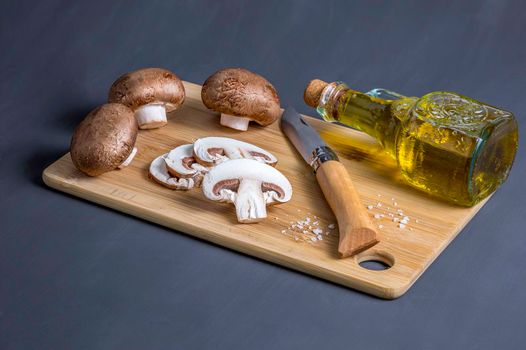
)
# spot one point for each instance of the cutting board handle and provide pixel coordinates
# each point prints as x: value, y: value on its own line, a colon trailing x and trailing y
x: 357, y: 232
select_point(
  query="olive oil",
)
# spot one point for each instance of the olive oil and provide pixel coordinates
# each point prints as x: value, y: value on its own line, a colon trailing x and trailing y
x: 445, y: 144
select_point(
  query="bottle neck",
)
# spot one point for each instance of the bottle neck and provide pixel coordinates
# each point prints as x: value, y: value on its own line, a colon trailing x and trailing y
x: 366, y: 113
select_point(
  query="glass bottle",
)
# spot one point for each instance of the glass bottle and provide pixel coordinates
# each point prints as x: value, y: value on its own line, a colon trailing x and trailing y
x: 445, y: 144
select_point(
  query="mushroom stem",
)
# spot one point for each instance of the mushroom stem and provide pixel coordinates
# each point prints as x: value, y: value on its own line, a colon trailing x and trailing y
x: 151, y: 116
x: 231, y: 121
x: 129, y: 159
x: 250, y: 204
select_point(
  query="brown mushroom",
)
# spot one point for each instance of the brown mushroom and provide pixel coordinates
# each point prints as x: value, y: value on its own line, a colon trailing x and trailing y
x: 151, y: 93
x: 241, y: 96
x: 104, y: 140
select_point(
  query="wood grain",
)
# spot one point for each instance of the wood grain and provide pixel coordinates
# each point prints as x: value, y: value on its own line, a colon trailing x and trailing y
x: 409, y: 251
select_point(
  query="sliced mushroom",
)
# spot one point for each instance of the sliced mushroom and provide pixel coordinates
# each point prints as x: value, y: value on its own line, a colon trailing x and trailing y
x: 241, y: 96
x: 151, y: 93
x: 214, y: 150
x: 104, y: 140
x: 180, y: 162
x: 250, y: 185
x: 159, y: 173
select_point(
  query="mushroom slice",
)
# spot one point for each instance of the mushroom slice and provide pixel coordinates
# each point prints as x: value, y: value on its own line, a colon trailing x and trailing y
x: 159, y: 173
x: 180, y: 162
x: 104, y: 140
x: 241, y: 96
x: 214, y: 150
x: 150, y: 93
x: 250, y: 185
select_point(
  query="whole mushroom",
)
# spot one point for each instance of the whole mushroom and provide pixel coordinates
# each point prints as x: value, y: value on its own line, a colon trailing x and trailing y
x: 150, y: 93
x: 241, y: 96
x: 104, y: 140
x: 250, y: 185
x: 214, y: 150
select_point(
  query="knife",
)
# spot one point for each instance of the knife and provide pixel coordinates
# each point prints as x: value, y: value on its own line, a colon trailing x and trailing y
x: 357, y: 232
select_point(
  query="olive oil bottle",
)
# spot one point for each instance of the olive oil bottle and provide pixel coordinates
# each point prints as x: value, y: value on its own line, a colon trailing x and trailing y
x: 446, y: 144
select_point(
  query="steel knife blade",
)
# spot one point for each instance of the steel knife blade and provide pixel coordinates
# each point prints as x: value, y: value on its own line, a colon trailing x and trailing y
x: 305, y: 139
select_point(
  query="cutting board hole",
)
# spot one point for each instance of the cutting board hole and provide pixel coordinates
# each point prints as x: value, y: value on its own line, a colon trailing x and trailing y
x: 376, y: 265
x: 376, y: 261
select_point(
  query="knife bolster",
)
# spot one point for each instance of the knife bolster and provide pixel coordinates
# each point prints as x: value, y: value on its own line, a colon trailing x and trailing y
x: 321, y: 155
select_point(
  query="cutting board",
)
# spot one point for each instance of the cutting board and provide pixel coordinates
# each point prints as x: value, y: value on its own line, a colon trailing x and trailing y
x: 285, y: 238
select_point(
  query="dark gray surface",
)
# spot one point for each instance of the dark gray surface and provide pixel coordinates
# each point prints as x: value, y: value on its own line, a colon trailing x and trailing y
x: 74, y: 275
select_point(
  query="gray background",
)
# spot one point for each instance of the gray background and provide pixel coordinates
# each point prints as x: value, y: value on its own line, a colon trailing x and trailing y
x: 74, y: 275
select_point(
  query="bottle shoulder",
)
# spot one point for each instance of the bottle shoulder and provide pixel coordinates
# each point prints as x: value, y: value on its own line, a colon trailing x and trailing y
x: 448, y: 109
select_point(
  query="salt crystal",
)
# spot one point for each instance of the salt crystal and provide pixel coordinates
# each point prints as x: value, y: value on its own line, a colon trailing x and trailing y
x: 314, y: 239
x: 380, y: 226
x: 396, y: 219
x: 369, y: 207
x: 400, y: 225
x: 377, y: 216
x: 320, y: 238
x: 315, y: 223
x: 395, y: 204
x: 379, y: 205
x: 305, y: 231
x: 283, y: 231
x: 331, y: 226
x: 406, y: 218
x: 317, y: 231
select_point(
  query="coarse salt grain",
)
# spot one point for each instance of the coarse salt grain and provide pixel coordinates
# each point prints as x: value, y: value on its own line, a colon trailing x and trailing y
x: 377, y: 216
x: 380, y: 226
x: 317, y: 231
x: 400, y: 225
x: 331, y: 226
x: 369, y: 207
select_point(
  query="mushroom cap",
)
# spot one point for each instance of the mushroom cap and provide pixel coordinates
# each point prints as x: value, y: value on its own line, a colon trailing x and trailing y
x: 180, y: 162
x: 104, y: 139
x: 242, y: 93
x: 213, y: 150
x: 222, y: 181
x: 148, y: 85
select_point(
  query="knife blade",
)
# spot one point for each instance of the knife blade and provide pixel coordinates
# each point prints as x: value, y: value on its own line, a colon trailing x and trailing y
x: 357, y: 233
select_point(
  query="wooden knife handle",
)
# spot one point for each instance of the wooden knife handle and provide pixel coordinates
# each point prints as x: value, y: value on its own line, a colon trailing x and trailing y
x: 357, y: 232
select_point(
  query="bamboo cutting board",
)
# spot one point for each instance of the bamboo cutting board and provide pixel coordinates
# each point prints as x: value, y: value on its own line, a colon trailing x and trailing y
x: 407, y: 251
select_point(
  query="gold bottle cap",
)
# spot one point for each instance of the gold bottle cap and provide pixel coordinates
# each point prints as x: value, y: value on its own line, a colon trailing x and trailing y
x: 313, y: 92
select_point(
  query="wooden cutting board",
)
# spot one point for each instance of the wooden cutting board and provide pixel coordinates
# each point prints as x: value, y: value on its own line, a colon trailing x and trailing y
x: 432, y: 225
